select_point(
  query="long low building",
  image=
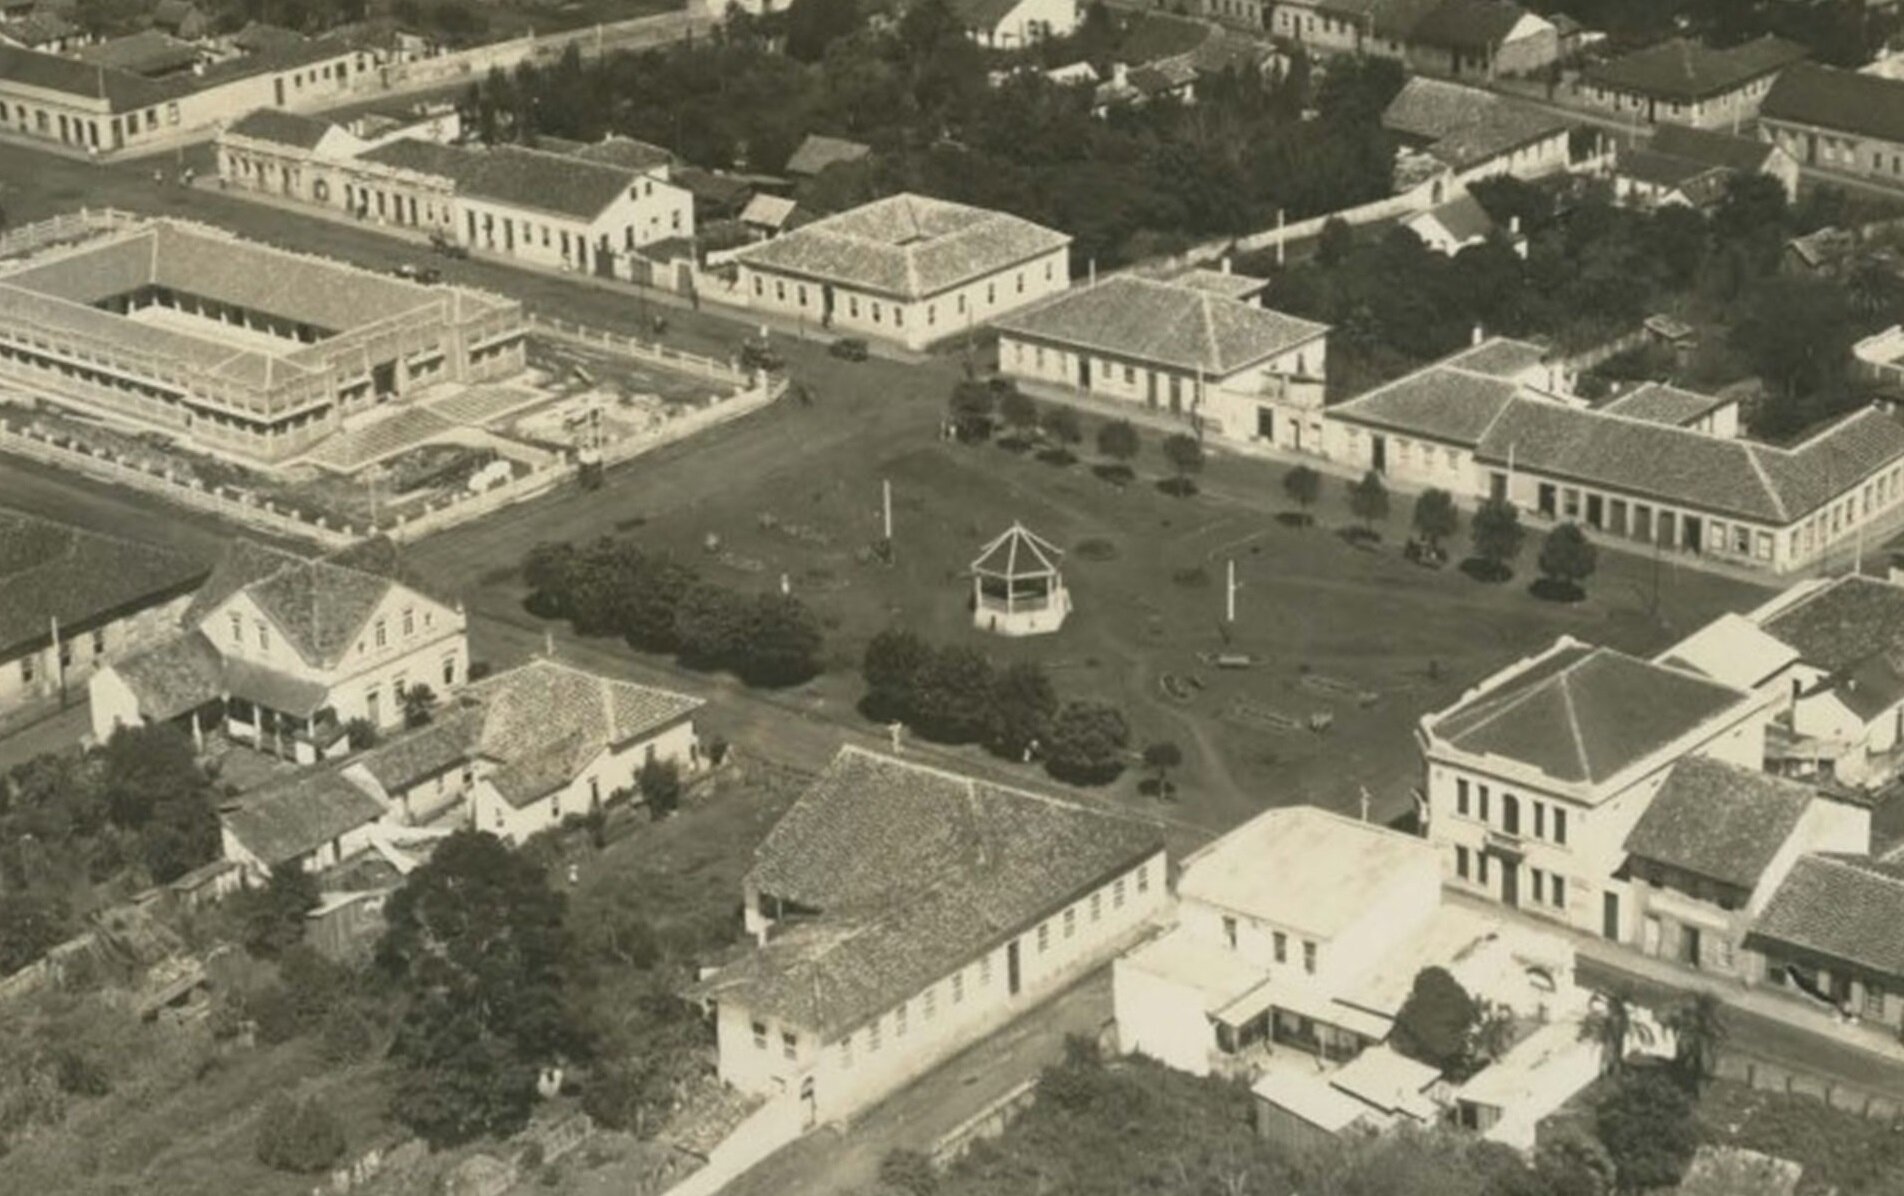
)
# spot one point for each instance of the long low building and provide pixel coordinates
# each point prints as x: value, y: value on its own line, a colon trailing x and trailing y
x: 1184, y: 346
x: 236, y: 346
x: 1499, y: 420
x: 1838, y: 122
x: 908, y: 268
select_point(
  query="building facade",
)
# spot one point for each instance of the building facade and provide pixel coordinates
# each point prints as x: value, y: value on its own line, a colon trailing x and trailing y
x: 1838, y: 122
x: 1688, y: 83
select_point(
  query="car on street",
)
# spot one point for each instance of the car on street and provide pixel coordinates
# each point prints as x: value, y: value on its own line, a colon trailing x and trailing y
x: 849, y: 348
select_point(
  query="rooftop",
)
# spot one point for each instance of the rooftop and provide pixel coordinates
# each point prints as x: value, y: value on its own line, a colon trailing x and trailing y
x: 174, y: 676
x: 122, y: 90
x: 1018, y: 552
x: 1732, y: 650
x: 908, y: 246
x: 1468, y: 24
x: 147, y: 52
x: 569, y: 185
x: 1719, y: 821
x: 1463, y: 217
x: 300, y: 814
x: 1682, y: 69
x: 1840, y: 908
x: 1302, y: 867
x: 1839, y: 625
x: 626, y: 153
x: 818, y: 152
x: 52, y: 572
x: 1711, y: 148
x: 912, y: 872
x: 1466, y: 126
x: 1188, y: 328
x: 278, y: 127
x: 1581, y: 714
x: 1221, y: 282
x: 1311, y: 1098
x: 1442, y: 403
x: 1847, y: 101
x: 1658, y: 403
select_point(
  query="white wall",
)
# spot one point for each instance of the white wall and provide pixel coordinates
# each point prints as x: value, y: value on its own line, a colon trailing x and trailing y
x: 608, y: 774
x: 1161, y: 1018
x: 84, y: 652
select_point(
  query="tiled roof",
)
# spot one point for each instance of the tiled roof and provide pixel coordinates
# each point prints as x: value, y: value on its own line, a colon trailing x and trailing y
x: 1467, y: 24
x: 1719, y: 820
x: 1463, y: 217
x: 258, y: 37
x: 1581, y: 714
x: 123, y: 90
x: 1221, y: 282
x: 907, y: 246
x: 1849, y: 101
x: 417, y: 755
x: 1394, y: 19
x: 1843, y: 624
x: 147, y: 52
x: 817, y: 152
x: 1841, y: 908
x: 38, y: 28
x: 1658, y: 403
x: 263, y: 685
x: 1661, y: 170
x: 1451, y: 405
x: 297, y: 816
x: 1464, y: 125
x: 913, y: 872
x: 279, y: 127
x: 1743, y: 154
x: 626, y: 153
x: 1499, y: 357
x: 178, y: 674
x: 319, y: 607
x: 1682, y: 69
x: 244, y: 562
x: 511, y: 174
x: 1161, y: 322
x: 53, y: 571
x: 769, y: 211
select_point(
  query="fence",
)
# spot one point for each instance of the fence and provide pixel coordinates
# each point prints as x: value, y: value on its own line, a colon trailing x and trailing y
x: 988, y: 1122
x: 658, y: 354
x: 765, y: 1130
x: 1840, y: 1095
x: 30, y: 238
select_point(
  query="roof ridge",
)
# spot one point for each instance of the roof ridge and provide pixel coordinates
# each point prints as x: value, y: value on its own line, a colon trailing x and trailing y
x: 1564, y: 678
x: 1765, y: 480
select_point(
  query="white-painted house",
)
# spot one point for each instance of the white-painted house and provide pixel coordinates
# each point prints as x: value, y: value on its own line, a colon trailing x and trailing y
x: 901, y: 913
x: 907, y: 268
x: 1012, y: 24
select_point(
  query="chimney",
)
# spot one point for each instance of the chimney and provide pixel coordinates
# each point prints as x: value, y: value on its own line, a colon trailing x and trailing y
x: 1093, y: 271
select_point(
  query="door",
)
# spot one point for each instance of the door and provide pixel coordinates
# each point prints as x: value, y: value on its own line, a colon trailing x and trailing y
x: 373, y: 708
x: 278, y: 86
x: 1497, y: 487
x: 1084, y: 372
x: 1596, y: 511
x: 1689, y: 945
x: 1176, y: 395
x: 1610, y: 916
x: 826, y: 305
x: 1378, y: 454
x: 383, y: 378
x: 1012, y: 978
x: 1695, y: 532
x: 1510, y: 884
x: 1266, y: 424
x: 1150, y: 393
x: 1547, y: 502
x: 1811, y: 149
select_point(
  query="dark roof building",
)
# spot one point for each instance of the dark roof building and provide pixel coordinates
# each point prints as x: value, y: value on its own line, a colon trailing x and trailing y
x: 1842, y: 101
x: 1685, y: 70
x: 148, y: 52
x: 1468, y: 127
x: 279, y: 127
x: 1719, y: 821
x: 1848, y: 622
x: 299, y: 817
x: 52, y: 575
x: 513, y: 175
x: 1843, y: 912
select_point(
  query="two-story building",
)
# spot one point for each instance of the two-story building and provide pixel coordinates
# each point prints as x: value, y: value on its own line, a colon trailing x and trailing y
x: 1536, y: 778
x: 1472, y: 133
x: 901, y: 912
x: 72, y: 601
x: 1687, y: 82
x: 1236, y: 369
x: 907, y: 268
x: 1838, y: 122
x: 1829, y: 935
x: 283, y: 652
x: 1695, y: 167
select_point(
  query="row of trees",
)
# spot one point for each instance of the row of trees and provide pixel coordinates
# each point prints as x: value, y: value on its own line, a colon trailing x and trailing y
x: 658, y: 604
x: 1146, y: 179
x: 955, y: 694
x: 979, y: 407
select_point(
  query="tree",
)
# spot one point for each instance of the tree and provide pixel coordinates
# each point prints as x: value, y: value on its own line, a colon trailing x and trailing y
x: 419, y: 701
x: 1368, y: 500
x: 1335, y: 242
x: 1647, y: 1126
x: 908, y: 1172
x: 1303, y: 485
x: 547, y: 569
x: 1118, y: 441
x: 1184, y: 452
x: 1610, y: 1024
x: 711, y: 626
x: 1064, y: 428
x: 1496, y: 533
x: 952, y: 701
x: 1023, y: 702
x: 660, y: 783
x: 300, y: 1136
x: 781, y: 644
x: 1797, y: 333
x: 1435, y: 1022
x: 473, y: 942
x: 1697, y: 1024
x: 814, y: 25
x: 30, y: 923
x: 274, y: 914
x: 361, y: 734
x: 891, y: 667
x: 1087, y: 743
x: 1161, y: 757
x: 974, y: 405
x: 1567, y: 558
x: 1436, y: 518
x: 1018, y: 411
x: 153, y: 785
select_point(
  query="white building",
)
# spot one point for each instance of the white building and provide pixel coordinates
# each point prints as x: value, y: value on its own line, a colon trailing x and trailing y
x: 1538, y: 775
x: 1012, y: 24
x: 1474, y: 133
x: 283, y: 652
x: 906, y: 268
x: 902, y: 912
x: 1238, y: 370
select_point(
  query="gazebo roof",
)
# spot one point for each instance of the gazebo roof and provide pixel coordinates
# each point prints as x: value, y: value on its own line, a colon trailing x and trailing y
x: 1019, y: 552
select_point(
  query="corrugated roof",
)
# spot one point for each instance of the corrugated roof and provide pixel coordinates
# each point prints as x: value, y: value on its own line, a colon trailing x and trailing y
x: 54, y: 571
x: 1719, y: 821
x: 1187, y: 328
x: 1840, y: 908
x: 1683, y: 69
x: 907, y: 246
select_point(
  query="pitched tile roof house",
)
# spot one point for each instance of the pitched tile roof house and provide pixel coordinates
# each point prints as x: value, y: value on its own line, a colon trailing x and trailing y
x: 149, y: 52
x: 1838, y: 121
x: 1695, y: 167
x: 312, y: 820
x: 902, y: 911
x: 1008, y: 24
x: 1477, y: 133
x: 907, y: 268
x: 71, y: 600
x: 1831, y: 934
x: 1688, y: 82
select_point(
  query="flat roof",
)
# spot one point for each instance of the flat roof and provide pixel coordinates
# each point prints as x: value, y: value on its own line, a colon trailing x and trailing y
x: 1310, y: 1098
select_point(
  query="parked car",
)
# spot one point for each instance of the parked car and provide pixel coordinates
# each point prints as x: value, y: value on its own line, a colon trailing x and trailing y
x: 447, y: 246
x: 849, y: 348
x: 759, y: 355
x: 416, y: 273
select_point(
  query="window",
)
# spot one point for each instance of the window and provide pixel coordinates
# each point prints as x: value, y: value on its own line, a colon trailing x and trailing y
x: 872, y: 1037
x: 1279, y: 943
x: 1044, y: 937
x: 99, y: 641
x: 1117, y: 894
x: 1309, y: 957
x: 237, y: 628
x: 449, y: 670
x: 26, y: 669
x: 1229, y: 931
x: 1097, y: 905
x: 789, y: 1044
x: 1143, y: 879
x: 264, y: 638
x: 1070, y: 921
x: 1461, y: 862
x: 409, y: 621
x: 760, y: 1036
x: 1510, y: 814
x: 1540, y: 820
x: 1461, y: 796
x: 932, y: 1002
x: 1021, y: 282
x: 958, y: 986
x: 991, y: 292
x: 1560, y: 892
x: 899, y: 1021
x: 875, y: 311
x: 1481, y: 796
x: 1481, y: 866
x: 382, y: 635
x: 1538, y: 879
x: 1560, y: 825
x: 984, y: 971
x: 780, y: 290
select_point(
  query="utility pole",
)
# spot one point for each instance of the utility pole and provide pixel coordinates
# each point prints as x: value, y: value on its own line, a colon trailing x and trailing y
x: 1366, y: 801
x: 1229, y: 593
x: 885, y: 487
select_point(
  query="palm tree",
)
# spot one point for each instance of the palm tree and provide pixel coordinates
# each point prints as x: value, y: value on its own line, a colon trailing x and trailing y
x: 1699, y: 1034
x: 1610, y: 1023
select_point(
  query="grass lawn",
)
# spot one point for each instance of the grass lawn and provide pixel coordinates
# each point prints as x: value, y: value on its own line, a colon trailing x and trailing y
x: 1841, y: 1152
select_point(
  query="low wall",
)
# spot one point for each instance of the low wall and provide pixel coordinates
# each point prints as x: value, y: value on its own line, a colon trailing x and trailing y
x: 765, y: 1130
x: 648, y: 351
x: 988, y: 1122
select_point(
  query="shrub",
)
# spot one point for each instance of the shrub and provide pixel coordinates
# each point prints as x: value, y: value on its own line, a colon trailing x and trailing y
x: 301, y: 1137
x: 660, y: 782
x: 1087, y: 743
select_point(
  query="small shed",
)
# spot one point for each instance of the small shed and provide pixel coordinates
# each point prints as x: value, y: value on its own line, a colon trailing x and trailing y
x: 1017, y: 587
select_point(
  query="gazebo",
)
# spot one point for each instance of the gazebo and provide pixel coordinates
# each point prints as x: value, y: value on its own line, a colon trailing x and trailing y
x: 1016, y: 586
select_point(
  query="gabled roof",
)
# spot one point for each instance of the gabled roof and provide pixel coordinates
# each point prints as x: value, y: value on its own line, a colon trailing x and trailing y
x: 1221, y: 282
x: 907, y: 246
x: 817, y: 152
x: 1743, y: 154
x: 1682, y: 69
x: 511, y: 174
x: 1465, y: 126
x: 244, y: 562
x: 1838, y: 908
x: 768, y: 211
x: 1185, y: 327
x: 1719, y: 821
x: 258, y: 37
x: 279, y: 127
x: 1018, y: 553
x: 52, y: 571
x: 1462, y: 217
x: 911, y: 872
x: 625, y: 153
x: 1582, y: 714
x: 1468, y: 24
x: 295, y: 817
x: 1843, y: 623
x: 1661, y: 170
x: 1732, y: 650
x: 320, y: 608
x: 147, y: 52
x: 416, y: 755
x: 1451, y: 405
x: 1658, y: 403
x: 1302, y: 867
x: 178, y: 674
x: 1848, y: 101
x: 38, y: 28
x: 69, y: 76
x: 975, y: 14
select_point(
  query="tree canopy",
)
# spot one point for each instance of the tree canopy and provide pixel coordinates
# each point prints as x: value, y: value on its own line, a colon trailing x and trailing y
x: 1567, y: 558
x: 1496, y: 534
